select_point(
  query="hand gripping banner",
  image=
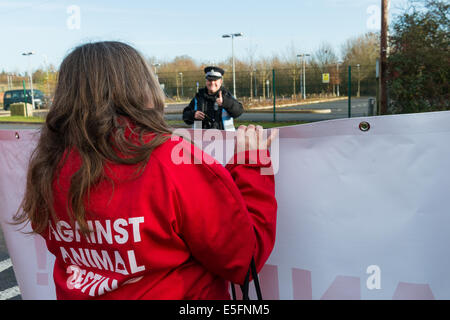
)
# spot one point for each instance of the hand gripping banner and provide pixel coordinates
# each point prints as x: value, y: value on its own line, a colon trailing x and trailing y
x: 363, y: 209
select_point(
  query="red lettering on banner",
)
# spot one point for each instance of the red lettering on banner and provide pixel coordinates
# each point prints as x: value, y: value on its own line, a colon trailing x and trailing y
x: 344, y: 288
x: 301, y: 283
x: 268, y: 280
x: 413, y: 291
x: 238, y: 291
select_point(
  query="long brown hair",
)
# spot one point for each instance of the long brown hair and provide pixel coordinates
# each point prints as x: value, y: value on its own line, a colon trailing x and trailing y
x: 99, y: 85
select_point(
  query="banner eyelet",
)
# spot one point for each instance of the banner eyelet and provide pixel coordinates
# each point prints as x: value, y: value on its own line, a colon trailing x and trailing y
x: 364, y: 126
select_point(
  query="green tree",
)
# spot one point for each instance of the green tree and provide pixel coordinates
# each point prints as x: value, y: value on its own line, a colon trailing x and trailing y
x: 419, y: 58
x: 363, y: 50
x: 323, y: 60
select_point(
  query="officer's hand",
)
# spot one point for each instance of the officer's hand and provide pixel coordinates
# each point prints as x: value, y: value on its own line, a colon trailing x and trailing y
x: 219, y: 99
x: 252, y: 138
x: 199, y: 115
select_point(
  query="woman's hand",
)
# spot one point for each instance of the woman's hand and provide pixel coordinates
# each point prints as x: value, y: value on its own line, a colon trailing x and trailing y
x: 252, y: 138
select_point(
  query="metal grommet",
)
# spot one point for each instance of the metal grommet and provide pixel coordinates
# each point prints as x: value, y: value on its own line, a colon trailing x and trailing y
x: 364, y: 126
x: 17, y: 135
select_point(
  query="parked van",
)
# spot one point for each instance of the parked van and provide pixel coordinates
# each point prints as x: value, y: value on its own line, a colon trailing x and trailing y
x: 14, y: 96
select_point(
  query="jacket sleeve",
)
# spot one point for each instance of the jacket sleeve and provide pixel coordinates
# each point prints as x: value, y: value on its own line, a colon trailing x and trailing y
x: 227, y: 215
x: 189, y: 112
x: 233, y: 107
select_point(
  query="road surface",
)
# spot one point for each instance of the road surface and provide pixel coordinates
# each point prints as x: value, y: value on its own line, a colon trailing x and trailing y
x: 308, y: 112
x: 9, y: 289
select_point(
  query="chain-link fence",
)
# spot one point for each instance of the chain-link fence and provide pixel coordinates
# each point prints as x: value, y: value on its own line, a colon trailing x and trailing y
x: 291, y: 83
x: 251, y: 85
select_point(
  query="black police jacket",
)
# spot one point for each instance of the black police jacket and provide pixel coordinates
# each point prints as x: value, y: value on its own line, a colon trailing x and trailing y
x: 205, y: 102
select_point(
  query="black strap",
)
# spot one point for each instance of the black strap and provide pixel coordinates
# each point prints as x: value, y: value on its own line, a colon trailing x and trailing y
x: 255, y: 279
x: 233, y: 291
x: 245, y: 286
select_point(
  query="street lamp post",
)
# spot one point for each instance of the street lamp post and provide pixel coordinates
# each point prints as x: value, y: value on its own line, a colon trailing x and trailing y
x: 359, y: 80
x: 28, y: 54
x: 301, y: 75
x: 178, y: 87
x: 182, y: 90
x: 232, y: 35
x: 9, y: 77
x: 256, y: 88
x: 154, y: 66
x: 338, y: 78
x: 303, y: 56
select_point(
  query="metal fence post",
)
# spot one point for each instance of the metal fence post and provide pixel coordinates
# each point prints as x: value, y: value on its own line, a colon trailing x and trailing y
x: 274, y: 95
x: 371, y: 106
x: 349, y: 91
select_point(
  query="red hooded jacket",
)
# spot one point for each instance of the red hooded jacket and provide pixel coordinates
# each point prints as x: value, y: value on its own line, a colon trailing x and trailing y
x: 177, y: 231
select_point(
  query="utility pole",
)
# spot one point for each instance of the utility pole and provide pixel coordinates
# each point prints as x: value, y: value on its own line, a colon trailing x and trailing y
x: 383, y: 56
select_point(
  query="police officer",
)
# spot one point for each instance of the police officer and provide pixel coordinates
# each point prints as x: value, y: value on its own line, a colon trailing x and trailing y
x: 213, y: 105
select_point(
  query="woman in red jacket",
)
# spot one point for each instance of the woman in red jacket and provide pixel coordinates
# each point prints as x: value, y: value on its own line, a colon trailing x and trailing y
x: 123, y: 219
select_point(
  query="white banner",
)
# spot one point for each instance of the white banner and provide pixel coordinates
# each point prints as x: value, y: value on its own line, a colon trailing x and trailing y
x: 32, y: 263
x: 363, y: 210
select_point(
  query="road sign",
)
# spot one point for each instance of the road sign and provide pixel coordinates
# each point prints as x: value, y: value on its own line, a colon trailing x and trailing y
x: 325, y: 78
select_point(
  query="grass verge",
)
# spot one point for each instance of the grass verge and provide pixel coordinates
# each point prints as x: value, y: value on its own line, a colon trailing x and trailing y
x: 21, y: 119
x: 264, y: 124
x: 173, y: 123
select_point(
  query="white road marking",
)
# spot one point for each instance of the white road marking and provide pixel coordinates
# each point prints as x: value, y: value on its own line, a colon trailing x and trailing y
x: 5, y: 264
x: 9, y: 293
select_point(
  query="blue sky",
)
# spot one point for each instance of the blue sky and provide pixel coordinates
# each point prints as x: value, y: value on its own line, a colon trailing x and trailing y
x: 165, y: 29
